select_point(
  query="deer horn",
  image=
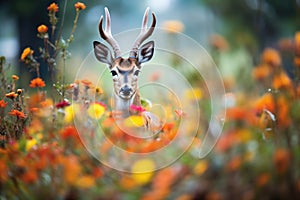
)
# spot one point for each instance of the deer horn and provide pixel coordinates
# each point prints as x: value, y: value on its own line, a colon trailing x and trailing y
x: 106, y: 34
x: 144, y: 34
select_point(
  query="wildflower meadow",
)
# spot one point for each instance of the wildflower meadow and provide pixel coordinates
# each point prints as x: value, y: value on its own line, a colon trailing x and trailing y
x: 62, y: 139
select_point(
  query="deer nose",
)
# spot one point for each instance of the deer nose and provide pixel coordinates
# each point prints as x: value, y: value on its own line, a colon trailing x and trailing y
x: 125, y: 90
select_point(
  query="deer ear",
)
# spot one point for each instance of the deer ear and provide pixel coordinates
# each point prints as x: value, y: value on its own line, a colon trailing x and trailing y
x: 102, y: 53
x: 145, y: 53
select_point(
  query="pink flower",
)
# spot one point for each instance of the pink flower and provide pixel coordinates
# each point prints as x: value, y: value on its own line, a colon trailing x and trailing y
x: 137, y: 108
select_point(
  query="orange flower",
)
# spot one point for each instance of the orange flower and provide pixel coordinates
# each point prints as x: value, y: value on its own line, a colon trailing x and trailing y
x: 297, y: 42
x: 42, y: 29
x: 15, y: 77
x: 97, y: 172
x: 37, y: 82
x: 271, y: 57
x: 173, y: 26
x: 218, y: 42
x: 11, y: 95
x: 165, y: 178
x: 265, y: 102
x: 53, y: 7
x: 263, y: 179
x: 4, y: 172
x: 26, y: 52
x: 30, y: 176
x: 85, y: 182
x: 236, y: 113
x: 281, y: 159
x: 283, y: 115
x: 17, y: 113
x: 70, y: 132
x: 34, y: 109
x: 80, y: 6
x: 281, y: 80
x: 234, y: 164
x: 261, y: 72
x: 3, y: 104
x: 297, y: 61
x: 99, y: 90
x: 214, y: 196
x: 72, y: 169
x: 86, y: 83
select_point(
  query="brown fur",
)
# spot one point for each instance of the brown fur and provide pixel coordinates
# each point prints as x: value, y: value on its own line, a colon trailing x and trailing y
x: 126, y: 64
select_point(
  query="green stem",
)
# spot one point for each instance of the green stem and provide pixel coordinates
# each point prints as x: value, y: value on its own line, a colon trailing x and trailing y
x: 63, y: 73
x: 3, y: 80
x: 37, y: 67
x: 75, y: 23
x: 61, y: 26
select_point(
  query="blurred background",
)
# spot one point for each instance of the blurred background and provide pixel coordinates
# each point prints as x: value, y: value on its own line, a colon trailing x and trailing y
x: 245, y: 26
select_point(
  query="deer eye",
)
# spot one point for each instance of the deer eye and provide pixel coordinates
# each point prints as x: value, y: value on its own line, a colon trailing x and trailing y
x: 114, y: 73
x: 136, y: 73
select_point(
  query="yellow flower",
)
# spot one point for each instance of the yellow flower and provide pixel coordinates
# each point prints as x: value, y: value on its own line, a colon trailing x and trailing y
x: 134, y: 121
x: 42, y: 29
x: 85, y: 182
x: 70, y: 111
x: 244, y: 135
x: 96, y: 110
x: 173, y: 26
x: 26, y: 52
x: 30, y: 144
x: 194, y: 94
x: 201, y: 167
x: 39, y: 136
x: 142, y: 171
x: 80, y: 6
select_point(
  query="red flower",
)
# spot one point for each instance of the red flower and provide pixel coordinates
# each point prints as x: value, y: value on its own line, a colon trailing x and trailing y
x: 3, y: 104
x: 30, y: 176
x: 62, y: 104
x: 70, y: 132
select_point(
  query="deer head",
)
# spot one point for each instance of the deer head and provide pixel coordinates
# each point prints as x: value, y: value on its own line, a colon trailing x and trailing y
x: 125, y: 71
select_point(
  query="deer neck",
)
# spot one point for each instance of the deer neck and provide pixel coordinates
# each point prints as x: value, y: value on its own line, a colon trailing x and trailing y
x: 123, y: 105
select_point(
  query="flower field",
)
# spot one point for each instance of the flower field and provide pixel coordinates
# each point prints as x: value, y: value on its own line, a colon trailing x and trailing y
x: 60, y: 140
